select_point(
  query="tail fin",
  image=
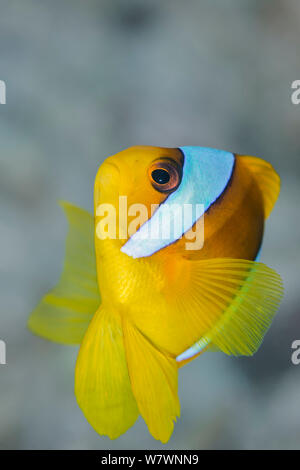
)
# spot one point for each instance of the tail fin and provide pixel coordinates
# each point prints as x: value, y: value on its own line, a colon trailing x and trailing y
x: 154, y: 378
x: 102, y: 384
x: 64, y: 313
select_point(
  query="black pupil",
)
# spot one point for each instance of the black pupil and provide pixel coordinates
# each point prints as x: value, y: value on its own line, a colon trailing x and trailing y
x: 160, y: 176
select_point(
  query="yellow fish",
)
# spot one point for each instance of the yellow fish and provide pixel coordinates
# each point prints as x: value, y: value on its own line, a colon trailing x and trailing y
x: 167, y: 295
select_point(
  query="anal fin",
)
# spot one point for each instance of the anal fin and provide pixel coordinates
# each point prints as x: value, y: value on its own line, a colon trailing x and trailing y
x: 154, y: 378
x: 102, y: 384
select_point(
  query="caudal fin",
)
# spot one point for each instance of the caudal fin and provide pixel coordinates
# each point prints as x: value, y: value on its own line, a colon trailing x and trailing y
x: 64, y: 313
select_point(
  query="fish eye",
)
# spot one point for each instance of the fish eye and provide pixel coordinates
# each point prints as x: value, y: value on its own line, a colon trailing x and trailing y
x: 160, y: 176
x: 165, y: 175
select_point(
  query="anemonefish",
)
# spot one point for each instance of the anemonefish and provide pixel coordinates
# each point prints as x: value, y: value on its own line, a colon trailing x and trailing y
x: 161, y: 304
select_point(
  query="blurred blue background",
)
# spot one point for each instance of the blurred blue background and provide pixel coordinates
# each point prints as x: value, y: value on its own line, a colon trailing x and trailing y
x: 86, y: 79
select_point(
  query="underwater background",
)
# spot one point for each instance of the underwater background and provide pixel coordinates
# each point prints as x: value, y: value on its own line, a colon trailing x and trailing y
x: 86, y: 79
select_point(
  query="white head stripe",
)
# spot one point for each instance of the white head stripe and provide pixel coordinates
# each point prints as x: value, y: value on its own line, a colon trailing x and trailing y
x: 205, y: 175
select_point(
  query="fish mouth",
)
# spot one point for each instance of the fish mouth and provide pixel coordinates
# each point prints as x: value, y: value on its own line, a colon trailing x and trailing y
x: 107, y: 184
x: 110, y: 164
x: 108, y: 175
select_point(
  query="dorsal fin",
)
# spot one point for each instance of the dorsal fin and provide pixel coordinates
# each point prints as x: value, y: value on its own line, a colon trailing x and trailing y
x: 266, y: 178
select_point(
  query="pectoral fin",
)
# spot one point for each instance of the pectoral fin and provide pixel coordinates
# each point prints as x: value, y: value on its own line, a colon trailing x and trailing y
x: 235, y: 302
x: 64, y: 313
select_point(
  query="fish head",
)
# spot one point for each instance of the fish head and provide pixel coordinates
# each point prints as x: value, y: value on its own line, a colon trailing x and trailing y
x: 158, y: 194
x: 134, y: 182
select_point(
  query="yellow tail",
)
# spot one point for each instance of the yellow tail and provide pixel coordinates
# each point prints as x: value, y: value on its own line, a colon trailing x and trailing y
x: 64, y: 313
